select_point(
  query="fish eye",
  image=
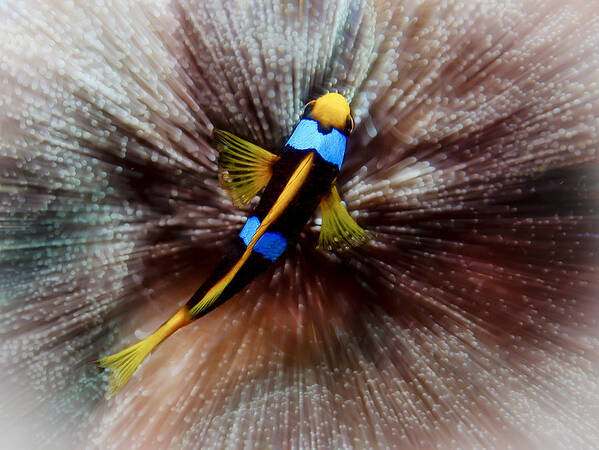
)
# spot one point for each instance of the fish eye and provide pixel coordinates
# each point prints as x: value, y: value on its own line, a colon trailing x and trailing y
x: 308, y: 108
x: 349, y: 125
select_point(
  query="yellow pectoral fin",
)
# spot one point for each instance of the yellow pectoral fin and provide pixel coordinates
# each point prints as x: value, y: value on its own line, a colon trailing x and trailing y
x: 338, y: 230
x: 244, y: 168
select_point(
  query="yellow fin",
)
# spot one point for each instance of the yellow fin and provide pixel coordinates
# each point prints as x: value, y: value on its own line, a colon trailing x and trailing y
x: 244, y: 168
x: 123, y: 364
x: 338, y: 230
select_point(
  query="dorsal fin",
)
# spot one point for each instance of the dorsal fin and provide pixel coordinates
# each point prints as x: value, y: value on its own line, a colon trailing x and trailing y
x: 244, y: 168
x: 338, y: 230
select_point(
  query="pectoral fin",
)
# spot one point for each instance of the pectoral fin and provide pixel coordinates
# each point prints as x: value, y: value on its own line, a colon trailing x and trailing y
x: 244, y: 168
x: 338, y: 230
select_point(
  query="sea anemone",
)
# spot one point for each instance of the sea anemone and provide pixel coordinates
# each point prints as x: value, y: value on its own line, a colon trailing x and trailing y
x: 470, y: 320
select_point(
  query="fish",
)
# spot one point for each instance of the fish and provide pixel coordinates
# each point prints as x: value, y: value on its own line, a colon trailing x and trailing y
x: 293, y: 183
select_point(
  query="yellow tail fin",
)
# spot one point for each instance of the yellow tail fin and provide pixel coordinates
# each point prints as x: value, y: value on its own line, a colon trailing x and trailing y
x: 123, y: 364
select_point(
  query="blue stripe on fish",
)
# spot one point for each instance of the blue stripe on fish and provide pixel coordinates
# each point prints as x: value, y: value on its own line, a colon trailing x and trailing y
x: 271, y: 245
x: 249, y: 229
x: 331, y: 146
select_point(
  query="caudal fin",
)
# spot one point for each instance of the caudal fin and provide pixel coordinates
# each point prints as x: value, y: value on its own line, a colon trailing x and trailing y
x: 122, y: 364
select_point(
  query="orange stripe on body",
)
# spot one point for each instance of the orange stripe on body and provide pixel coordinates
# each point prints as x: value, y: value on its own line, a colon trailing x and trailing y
x: 296, y: 181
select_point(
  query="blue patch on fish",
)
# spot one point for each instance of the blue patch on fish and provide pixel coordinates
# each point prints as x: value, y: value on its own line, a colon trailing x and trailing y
x: 249, y: 229
x: 271, y: 245
x: 331, y: 146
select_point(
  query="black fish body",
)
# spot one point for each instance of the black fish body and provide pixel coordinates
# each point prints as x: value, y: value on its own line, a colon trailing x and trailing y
x: 289, y: 225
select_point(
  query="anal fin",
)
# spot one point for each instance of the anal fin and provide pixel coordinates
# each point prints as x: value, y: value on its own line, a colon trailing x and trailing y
x: 338, y: 230
x: 244, y: 168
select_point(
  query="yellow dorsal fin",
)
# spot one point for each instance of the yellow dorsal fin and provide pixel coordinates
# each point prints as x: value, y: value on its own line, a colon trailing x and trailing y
x: 244, y: 168
x: 123, y: 364
x: 338, y: 230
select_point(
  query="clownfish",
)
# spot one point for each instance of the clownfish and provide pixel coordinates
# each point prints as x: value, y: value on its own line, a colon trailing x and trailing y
x: 294, y: 183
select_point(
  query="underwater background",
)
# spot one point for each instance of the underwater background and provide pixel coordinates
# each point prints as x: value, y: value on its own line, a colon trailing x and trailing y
x: 470, y: 321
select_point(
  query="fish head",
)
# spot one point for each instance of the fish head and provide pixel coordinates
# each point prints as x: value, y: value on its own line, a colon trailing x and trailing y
x: 331, y: 111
